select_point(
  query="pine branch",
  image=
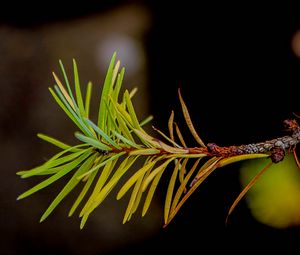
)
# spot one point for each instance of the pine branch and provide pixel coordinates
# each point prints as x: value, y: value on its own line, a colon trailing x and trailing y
x: 109, y: 149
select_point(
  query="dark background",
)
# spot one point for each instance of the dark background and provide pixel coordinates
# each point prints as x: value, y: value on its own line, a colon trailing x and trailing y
x: 240, y: 79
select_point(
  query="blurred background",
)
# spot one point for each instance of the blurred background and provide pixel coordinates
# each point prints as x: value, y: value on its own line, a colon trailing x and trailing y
x: 238, y: 69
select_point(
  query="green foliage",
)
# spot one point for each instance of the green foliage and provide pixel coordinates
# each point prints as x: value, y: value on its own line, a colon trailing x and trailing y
x: 109, y: 149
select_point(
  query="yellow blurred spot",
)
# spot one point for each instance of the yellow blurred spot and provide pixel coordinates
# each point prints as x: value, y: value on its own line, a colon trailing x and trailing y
x: 275, y: 199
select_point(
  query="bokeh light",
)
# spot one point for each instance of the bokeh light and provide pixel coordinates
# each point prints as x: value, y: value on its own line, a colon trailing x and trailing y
x: 275, y: 199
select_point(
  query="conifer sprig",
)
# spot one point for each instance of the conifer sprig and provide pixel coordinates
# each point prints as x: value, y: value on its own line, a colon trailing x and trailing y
x: 109, y: 147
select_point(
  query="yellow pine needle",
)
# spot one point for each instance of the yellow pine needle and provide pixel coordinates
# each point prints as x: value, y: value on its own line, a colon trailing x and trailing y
x: 133, y: 179
x: 95, y: 202
x: 115, y: 72
x: 88, y: 99
x: 182, y: 186
x: 65, y: 93
x: 182, y: 170
x: 131, y: 111
x: 151, y: 176
x: 147, y: 138
x: 151, y: 193
x: 245, y: 190
x: 171, y: 149
x: 122, y: 169
x: 133, y: 198
x: 83, y: 192
x: 170, y: 126
x: 208, y: 171
x: 170, y: 191
x: 146, y: 120
x: 179, y: 192
x: 144, y: 152
x: 124, y: 114
x: 133, y: 92
x: 189, y: 120
x: 198, y: 155
x: 180, y: 135
x: 88, y: 208
x: 166, y: 137
x: 139, y: 195
x: 233, y: 159
x: 205, y: 168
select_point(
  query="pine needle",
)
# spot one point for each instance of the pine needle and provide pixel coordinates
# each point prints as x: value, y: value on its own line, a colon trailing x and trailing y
x: 189, y: 120
x: 245, y: 190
